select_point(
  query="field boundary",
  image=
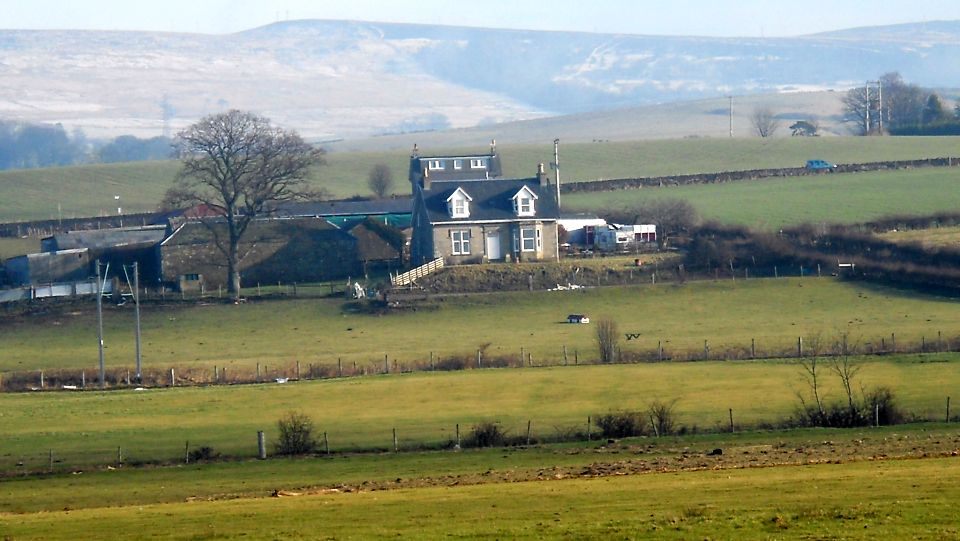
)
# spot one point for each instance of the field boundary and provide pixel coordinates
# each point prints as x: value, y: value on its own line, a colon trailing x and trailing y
x: 752, y: 174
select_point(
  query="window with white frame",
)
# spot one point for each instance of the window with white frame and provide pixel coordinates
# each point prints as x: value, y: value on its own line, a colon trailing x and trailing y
x: 458, y: 164
x: 435, y: 165
x: 461, y: 242
x: 524, y: 205
x: 458, y: 204
x: 524, y: 202
x: 459, y: 208
x: 478, y: 163
x: 528, y: 239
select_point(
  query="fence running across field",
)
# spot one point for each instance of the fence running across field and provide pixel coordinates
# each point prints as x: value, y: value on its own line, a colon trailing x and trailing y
x: 632, y: 348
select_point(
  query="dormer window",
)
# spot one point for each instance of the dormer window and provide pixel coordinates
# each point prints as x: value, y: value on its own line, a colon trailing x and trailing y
x: 524, y: 202
x: 458, y: 204
x: 478, y: 163
x: 435, y: 165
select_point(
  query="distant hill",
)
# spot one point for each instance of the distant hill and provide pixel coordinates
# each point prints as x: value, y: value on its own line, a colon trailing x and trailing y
x: 345, y: 79
x: 706, y: 118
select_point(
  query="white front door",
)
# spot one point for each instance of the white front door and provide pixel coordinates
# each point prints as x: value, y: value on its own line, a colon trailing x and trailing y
x: 493, y: 245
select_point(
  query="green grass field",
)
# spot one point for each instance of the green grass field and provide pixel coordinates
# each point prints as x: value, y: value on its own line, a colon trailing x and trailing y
x: 11, y: 247
x: 775, y: 203
x: 942, y: 237
x: 89, y: 190
x: 887, y: 500
x: 728, y: 314
x: 360, y: 413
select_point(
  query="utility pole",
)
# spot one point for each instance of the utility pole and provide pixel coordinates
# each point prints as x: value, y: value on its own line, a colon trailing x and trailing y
x: 879, y: 104
x: 866, y: 98
x: 136, y: 307
x: 100, y: 324
x: 731, y: 116
x: 556, y: 166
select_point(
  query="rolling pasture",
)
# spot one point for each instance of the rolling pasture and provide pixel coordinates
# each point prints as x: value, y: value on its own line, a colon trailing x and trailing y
x: 545, y: 491
x: 86, y: 429
x: 277, y: 333
x: 774, y: 203
x: 89, y: 190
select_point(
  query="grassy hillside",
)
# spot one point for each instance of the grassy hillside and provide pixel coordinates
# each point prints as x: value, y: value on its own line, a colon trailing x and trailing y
x: 278, y: 333
x: 89, y: 190
x: 774, y: 203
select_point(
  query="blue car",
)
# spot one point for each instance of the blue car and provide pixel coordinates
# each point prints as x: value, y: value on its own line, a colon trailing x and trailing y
x: 820, y: 165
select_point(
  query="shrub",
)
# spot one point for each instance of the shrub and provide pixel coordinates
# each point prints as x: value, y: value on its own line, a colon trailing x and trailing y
x: 296, y: 435
x: 621, y: 424
x: 203, y: 454
x: 662, y: 417
x: 486, y: 434
x: 882, y: 406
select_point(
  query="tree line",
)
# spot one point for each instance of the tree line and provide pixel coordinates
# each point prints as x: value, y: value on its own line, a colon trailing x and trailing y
x: 28, y: 145
x: 890, y: 105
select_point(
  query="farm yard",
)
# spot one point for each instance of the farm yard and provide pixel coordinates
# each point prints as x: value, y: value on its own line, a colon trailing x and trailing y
x: 391, y: 387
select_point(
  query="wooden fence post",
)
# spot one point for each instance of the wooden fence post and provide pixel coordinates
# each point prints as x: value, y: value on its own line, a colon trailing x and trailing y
x: 588, y: 428
x: 339, y: 368
x: 731, y: 420
x: 326, y: 444
x: 298, y: 370
x: 753, y: 348
x: 173, y: 378
x: 948, y: 409
x: 396, y: 446
x: 458, y: 436
x: 261, y: 445
x: 799, y: 346
x: 528, y: 432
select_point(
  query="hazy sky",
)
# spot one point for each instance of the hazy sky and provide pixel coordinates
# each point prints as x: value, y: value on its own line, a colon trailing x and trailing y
x: 676, y: 17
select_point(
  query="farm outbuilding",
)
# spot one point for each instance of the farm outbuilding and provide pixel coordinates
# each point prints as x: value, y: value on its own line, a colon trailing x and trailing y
x: 276, y: 250
x: 49, y: 267
x: 615, y: 237
x: 576, y: 227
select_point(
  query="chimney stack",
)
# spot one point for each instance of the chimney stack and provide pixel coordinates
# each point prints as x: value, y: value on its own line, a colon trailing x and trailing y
x: 542, y: 175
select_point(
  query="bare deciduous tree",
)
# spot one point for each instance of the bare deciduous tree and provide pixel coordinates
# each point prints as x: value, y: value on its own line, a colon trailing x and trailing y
x: 608, y: 336
x: 764, y: 122
x: 380, y: 180
x: 857, y: 108
x: 237, y: 164
x: 662, y: 417
x: 810, y: 365
x: 846, y: 369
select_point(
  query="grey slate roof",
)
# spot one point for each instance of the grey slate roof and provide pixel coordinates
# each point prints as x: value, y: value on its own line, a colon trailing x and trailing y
x: 491, y: 200
x: 101, y: 239
x: 396, y: 205
x: 418, y: 166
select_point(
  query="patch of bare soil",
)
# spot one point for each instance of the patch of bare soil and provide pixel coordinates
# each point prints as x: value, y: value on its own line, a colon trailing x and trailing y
x: 616, y: 459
